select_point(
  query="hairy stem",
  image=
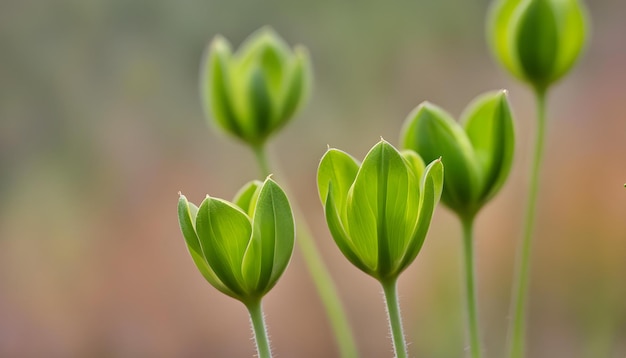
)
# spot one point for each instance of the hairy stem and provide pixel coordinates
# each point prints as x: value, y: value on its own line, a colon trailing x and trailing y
x: 517, y: 328
x: 470, y: 288
x: 319, y: 273
x: 260, y: 331
x: 390, y: 289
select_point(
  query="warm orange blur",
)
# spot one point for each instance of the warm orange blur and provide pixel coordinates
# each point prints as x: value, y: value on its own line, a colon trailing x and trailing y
x: 101, y: 126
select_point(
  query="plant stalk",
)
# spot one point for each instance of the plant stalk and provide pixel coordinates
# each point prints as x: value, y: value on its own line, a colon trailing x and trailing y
x: 319, y: 273
x: 260, y: 331
x: 260, y: 154
x: 470, y: 288
x: 517, y: 328
x: 390, y: 289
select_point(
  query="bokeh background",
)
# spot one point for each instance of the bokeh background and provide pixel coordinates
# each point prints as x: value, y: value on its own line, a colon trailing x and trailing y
x: 101, y: 126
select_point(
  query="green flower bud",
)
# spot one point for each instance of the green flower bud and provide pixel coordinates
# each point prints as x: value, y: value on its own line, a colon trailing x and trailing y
x: 538, y: 41
x: 241, y: 248
x: 477, y: 155
x: 254, y: 92
x: 379, y: 211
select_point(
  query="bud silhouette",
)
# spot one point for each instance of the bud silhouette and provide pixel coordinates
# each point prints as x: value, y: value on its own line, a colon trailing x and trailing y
x: 241, y: 249
x: 477, y: 155
x: 538, y: 41
x: 254, y: 92
x: 379, y: 211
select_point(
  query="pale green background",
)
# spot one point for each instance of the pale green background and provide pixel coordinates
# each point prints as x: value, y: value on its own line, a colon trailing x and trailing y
x: 101, y: 126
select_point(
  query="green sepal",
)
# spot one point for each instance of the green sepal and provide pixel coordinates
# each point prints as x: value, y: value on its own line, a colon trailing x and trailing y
x: 385, y: 179
x: 297, y: 87
x: 414, y: 162
x: 431, y: 187
x: 499, y: 25
x: 489, y: 126
x: 335, y: 175
x: 274, y: 231
x: 340, y: 169
x: 246, y: 197
x: 265, y: 47
x: 431, y: 132
x: 216, y: 89
x: 573, y: 32
x: 224, y: 231
x: 261, y: 106
x: 187, y: 213
x: 341, y: 238
x: 537, y: 42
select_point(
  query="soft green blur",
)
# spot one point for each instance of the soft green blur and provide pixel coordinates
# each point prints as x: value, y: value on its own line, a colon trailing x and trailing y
x: 101, y: 125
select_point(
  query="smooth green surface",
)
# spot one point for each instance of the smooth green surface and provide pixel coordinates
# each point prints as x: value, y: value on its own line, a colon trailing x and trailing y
x: 378, y: 212
x: 433, y: 133
x: 247, y: 196
x: 241, y: 249
x: 488, y: 122
x: 224, y: 232
x: 473, y: 327
x: 517, y: 328
x: 260, y: 330
x: 537, y: 41
x: 390, y: 290
x: 477, y: 155
x: 187, y: 218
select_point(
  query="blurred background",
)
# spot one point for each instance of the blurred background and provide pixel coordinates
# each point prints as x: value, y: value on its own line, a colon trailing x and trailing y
x: 101, y: 126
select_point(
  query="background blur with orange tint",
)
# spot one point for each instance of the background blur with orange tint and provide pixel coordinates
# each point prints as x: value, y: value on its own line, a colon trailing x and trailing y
x: 101, y: 126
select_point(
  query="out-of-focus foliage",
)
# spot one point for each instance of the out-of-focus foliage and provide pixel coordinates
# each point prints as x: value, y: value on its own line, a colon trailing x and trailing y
x: 254, y: 92
x: 538, y: 41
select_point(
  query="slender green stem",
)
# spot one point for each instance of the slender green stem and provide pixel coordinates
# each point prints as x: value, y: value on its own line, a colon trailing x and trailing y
x: 260, y: 154
x: 517, y: 328
x: 327, y: 291
x: 470, y: 288
x: 390, y: 288
x: 260, y: 331
x: 319, y: 273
